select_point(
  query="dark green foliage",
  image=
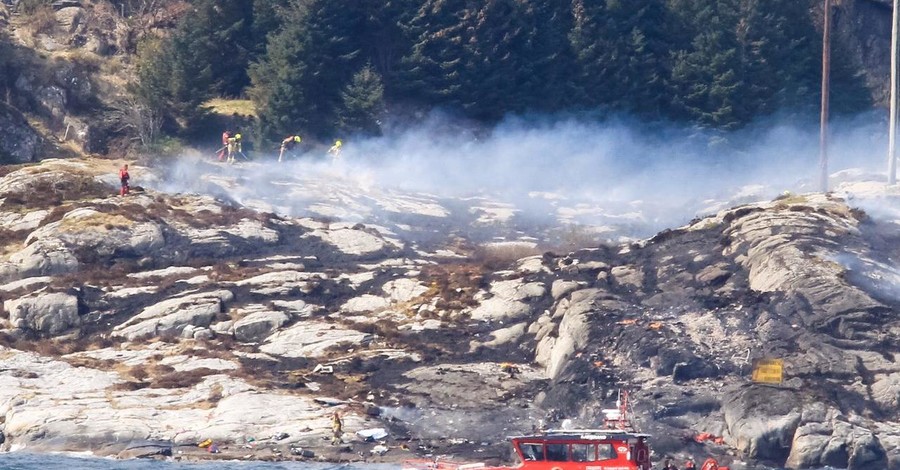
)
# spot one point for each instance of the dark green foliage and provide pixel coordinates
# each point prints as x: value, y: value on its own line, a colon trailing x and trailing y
x: 363, y: 103
x: 322, y: 64
x: 622, y: 54
x: 207, y: 55
x: 707, y: 86
x: 436, y: 68
x: 298, y: 84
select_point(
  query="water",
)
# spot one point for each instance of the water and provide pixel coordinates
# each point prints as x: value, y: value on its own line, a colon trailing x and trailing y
x: 25, y: 461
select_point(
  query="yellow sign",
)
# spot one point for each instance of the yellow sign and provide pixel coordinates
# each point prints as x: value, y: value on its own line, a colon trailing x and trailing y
x: 769, y: 371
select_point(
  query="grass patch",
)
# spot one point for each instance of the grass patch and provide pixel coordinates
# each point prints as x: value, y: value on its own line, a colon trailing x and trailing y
x: 183, y: 379
x: 41, y: 20
x: 52, y: 347
x: 51, y: 189
x: 788, y: 199
x: 99, y: 220
x: 229, y: 107
x: 499, y: 256
x: 454, y: 286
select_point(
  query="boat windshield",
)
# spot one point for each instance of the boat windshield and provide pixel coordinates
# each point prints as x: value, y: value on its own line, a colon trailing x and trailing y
x: 532, y: 451
x: 568, y: 452
x: 557, y: 452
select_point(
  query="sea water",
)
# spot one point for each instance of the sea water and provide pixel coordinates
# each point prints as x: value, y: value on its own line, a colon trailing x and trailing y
x: 26, y: 461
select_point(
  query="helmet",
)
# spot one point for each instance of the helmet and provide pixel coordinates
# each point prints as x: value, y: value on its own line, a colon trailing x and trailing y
x: 237, y: 136
x: 338, y: 143
x: 297, y: 138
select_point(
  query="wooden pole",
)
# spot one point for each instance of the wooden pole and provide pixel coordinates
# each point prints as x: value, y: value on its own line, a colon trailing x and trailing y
x: 892, y: 132
x: 826, y: 72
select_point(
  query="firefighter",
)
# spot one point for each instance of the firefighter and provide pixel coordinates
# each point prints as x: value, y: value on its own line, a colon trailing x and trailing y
x: 689, y: 465
x: 337, y: 428
x: 288, y: 143
x: 335, y: 150
x: 124, y: 177
x: 223, y: 151
x: 234, y: 146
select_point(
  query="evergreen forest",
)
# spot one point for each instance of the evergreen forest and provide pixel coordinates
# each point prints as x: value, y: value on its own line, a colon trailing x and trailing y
x: 335, y: 67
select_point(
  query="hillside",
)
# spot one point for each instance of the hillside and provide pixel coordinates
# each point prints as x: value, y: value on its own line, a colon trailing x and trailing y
x: 452, y: 288
x: 95, y: 77
x: 167, y: 319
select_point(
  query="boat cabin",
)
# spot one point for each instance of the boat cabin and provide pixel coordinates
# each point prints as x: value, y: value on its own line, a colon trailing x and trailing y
x: 584, y: 449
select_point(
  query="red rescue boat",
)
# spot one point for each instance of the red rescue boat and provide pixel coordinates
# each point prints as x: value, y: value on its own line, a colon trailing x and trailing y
x: 616, y: 446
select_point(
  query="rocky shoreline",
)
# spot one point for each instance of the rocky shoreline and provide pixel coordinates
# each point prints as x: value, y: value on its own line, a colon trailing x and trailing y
x: 145, y: 325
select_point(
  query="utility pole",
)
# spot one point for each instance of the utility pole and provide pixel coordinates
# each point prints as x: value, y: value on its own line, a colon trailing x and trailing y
x: 892, y: 132
x: 826, y: 72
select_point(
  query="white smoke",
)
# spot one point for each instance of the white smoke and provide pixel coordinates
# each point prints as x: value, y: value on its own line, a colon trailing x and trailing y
x: 564, y: 170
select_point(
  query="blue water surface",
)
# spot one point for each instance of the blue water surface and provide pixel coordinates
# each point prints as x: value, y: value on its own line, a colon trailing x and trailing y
x: 26, y: 461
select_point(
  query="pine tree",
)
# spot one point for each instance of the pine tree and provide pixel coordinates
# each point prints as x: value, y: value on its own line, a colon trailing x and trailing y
x: 706, y: 79
x: 549, y: 86
x: 498, y: 56
x: 278, y: 81
x: 363, y: 103
x: 436, y: 69
x: 778, y: 55
x: 297, y: 85
x: 622, y: 54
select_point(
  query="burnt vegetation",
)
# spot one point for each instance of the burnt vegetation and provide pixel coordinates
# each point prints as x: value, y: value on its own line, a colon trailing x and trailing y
x: 52, y: 189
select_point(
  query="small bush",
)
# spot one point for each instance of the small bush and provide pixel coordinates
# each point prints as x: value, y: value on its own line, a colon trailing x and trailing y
x: 139, y: 372
x: 164, y: 147
x: 183, y: 379
x: 129, y: 386
x: 30, y: 6
x: 503, y: 256
x: 42, y: 21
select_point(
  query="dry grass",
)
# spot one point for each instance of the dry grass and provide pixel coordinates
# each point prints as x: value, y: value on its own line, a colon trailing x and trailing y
x: 454, y: 286
x: 184, y: 379
x: 41, y: 21
x: 99, y: 220
x: 52, y: 190
x: 229, y: 107
x: 11, y: 242
x: 496, y: 257
x: 55, y: 347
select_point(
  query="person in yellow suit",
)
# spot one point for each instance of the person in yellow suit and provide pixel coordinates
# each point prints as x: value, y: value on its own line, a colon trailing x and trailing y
x: 288, y: 143
x: 337, y: 428
x: 335, y: 150
x: 234, y: 147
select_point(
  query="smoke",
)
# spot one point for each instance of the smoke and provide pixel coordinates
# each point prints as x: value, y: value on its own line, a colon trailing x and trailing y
x: 629, y: 178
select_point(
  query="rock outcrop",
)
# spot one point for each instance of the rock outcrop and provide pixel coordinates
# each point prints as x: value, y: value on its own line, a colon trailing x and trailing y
x: 20, y: 143
x: 145, y: 323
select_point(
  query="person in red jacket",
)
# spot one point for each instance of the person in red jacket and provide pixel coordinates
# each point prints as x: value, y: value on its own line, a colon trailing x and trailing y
x: 222, y: 151
x: 124, y: 177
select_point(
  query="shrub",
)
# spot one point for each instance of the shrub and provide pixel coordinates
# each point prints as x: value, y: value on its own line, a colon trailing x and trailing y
x: 183, y: 379
x: 41, y: 21
x: 31, y: 6
x: 503, y: 255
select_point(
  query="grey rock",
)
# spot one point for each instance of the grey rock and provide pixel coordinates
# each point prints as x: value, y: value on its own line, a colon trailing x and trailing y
x: 258, y: 325
x: 761, y: 420
x: 45, y: 313
x: 172, y: 316
x: 631, y: 277
x: 70, y: 18
x: 561, y: 287
x: 20, y: 143
x: 142, y: 450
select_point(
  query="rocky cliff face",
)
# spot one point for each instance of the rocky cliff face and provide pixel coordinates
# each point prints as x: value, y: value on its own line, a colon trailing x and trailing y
x: 138, y: 325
